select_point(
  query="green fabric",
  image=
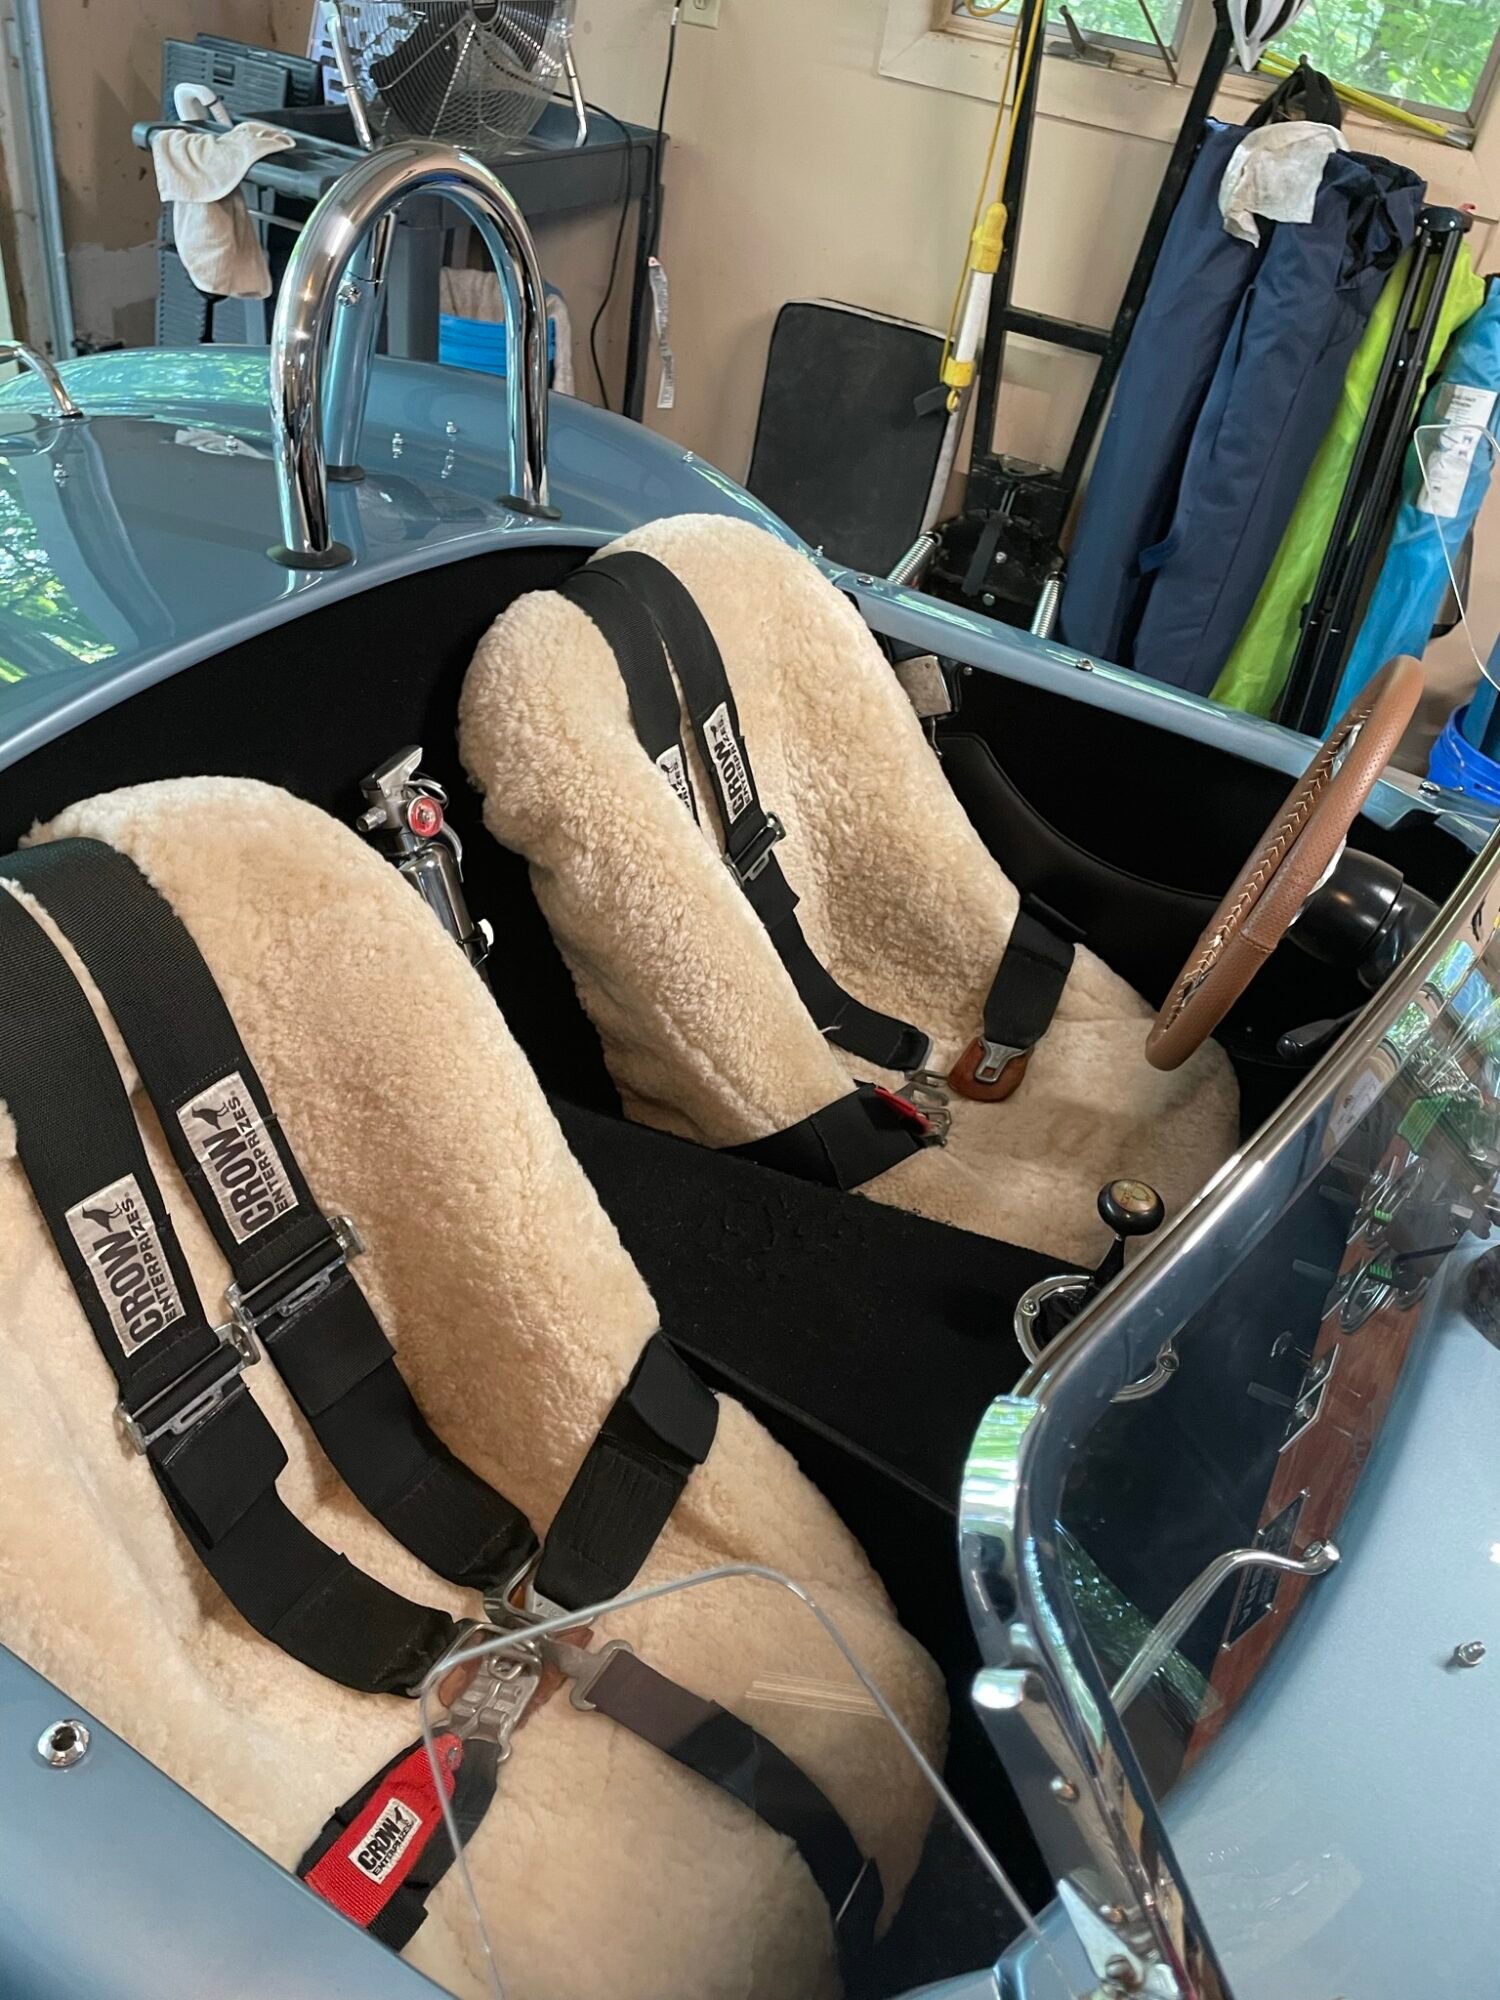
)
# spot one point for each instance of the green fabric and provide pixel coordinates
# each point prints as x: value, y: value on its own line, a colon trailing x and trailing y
x: 1257, y: 668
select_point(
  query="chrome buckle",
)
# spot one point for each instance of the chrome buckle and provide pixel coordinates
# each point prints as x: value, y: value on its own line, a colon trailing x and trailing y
x: 499, y: 1689
x: 309, y: 1281
x: 578, y: 1665
x: 996, y: 1058
x: 753, y: 862
x: 926, y: 1090
x: 142, y: 1431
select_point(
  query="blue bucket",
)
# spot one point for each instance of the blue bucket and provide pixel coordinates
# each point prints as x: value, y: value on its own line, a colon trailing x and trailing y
x: 479, y: 344
x: 1458, y: 766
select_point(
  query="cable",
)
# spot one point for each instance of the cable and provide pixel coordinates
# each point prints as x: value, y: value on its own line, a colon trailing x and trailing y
x: 614, y: 255
x: 650, y: 239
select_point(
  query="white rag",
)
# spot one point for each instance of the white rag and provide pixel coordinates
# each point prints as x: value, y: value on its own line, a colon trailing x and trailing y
x: 1275, y: 173
x: 200, y: 174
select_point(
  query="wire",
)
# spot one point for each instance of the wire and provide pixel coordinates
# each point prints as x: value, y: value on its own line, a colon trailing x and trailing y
x: 614, y: 255
x: 651, y: 222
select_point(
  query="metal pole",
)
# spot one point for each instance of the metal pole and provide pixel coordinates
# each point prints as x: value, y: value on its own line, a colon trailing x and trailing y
x: 1012, y: 193
x: 33, y: 55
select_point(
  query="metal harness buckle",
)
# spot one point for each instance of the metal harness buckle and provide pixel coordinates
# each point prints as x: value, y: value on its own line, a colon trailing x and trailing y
x: 499, y: 1689
x: 237, y: 1346
x: 927, y: 1091
x: 994, y: 1059
x: 297, y: 1284
x: 752, y: 861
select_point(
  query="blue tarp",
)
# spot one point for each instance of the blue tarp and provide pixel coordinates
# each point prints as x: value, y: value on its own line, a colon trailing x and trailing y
x: 1231, y: 380
x: 1409, y: 590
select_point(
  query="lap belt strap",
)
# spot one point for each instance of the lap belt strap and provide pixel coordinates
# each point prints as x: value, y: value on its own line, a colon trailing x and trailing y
x: 850, y: 1141
x: 293, y: 1287
x: 708, y: 1740
x: 183, y: 1401
x: 1023, y: 998
x: 750, y: 832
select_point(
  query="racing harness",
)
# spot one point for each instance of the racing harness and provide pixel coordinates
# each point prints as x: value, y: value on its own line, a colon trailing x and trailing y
x: 184, y: 1406
x: 653, y: 626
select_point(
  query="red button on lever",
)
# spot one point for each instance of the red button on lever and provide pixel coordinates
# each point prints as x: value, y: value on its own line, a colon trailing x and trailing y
x: 425, y: 817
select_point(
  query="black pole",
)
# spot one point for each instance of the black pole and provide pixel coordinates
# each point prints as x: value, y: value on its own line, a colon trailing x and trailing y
x: 1012, y: 193
x: 1374, y: 479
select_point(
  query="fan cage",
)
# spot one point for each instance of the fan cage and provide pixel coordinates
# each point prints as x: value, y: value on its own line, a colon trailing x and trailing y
x: 469, y: 73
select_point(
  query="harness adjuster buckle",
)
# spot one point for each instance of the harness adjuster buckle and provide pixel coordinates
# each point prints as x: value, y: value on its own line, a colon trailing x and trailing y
x: 753, y: 859
x: 237, y: 1350
x: 989, y: 1071
x: 926, y: 1090
x: 498, y: 1690
x: 298, y: 1284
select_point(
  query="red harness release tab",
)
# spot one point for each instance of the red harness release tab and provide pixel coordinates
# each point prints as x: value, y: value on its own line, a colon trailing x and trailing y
x: 365, y: 1866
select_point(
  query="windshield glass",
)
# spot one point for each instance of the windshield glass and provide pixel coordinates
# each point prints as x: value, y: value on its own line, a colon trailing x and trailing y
x: 1285, y: 1559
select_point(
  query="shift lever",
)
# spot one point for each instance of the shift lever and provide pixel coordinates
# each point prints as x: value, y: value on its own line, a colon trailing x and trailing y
x: 1127, y: 1208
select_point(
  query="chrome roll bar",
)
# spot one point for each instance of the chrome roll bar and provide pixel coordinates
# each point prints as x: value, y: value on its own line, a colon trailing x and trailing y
x: 342, y: 221
x: 33, y: 358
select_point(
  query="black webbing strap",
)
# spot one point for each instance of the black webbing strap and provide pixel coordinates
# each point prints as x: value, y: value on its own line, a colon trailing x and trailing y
x: 750, y: 832
x: 214, y: 1455
x: 629, y: 630
x: 661, y: 1426
x: 848, y: 1142
x: 1030, y: 978
x: 716, y: 1745
x: 295, y: 1289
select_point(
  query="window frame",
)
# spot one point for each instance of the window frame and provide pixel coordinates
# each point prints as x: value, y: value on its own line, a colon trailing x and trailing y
x: 951, y: 19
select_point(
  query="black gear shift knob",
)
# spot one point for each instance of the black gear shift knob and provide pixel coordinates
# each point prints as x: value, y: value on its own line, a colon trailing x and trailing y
x: 1131, y: 1208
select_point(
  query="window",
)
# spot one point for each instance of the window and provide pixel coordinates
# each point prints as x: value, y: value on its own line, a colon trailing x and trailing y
x: 1111, y: 24
x: 1431, y: 54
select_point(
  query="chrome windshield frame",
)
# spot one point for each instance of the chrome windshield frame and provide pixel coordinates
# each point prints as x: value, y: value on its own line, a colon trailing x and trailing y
x: 1043, y: 1698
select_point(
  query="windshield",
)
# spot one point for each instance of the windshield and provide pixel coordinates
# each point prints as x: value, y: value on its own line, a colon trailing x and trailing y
x: 1284, y: 1560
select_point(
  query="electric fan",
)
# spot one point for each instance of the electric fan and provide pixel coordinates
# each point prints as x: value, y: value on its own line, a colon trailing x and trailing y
x: 471, y: 73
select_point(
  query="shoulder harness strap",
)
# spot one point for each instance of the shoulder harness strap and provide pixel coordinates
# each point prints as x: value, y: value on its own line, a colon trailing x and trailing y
x: 751, y: 833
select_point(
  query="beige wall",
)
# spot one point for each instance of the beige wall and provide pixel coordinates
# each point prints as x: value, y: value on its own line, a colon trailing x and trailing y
x: 104, y: 74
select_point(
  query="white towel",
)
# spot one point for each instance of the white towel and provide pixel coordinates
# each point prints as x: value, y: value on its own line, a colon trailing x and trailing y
x: 200, y: 174
x: 1275, y: 173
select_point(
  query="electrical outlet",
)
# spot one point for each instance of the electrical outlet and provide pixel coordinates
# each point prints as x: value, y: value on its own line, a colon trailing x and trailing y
x: 702, y: 13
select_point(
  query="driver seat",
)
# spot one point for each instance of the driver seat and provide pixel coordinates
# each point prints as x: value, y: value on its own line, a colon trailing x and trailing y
x: 703, y: 1028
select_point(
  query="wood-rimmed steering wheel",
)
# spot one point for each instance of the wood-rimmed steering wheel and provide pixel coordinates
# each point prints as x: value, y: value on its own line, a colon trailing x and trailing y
x: 1298, y: 848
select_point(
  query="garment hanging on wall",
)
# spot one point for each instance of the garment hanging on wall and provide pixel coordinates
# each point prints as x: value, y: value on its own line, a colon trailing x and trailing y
x: 1225, y: 393
x: 1200, y: 278
x: 1438, y: 506
x: 1268, y: 408
x: 1257, y: 668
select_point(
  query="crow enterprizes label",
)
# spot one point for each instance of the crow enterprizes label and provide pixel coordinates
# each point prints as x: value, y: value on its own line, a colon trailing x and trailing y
x: 117, y: 1239
x: 239, y: 1161
x: 728, y: 765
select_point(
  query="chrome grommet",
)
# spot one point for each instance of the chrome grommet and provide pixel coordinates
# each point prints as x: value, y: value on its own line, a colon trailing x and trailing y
x: 63, y: 1744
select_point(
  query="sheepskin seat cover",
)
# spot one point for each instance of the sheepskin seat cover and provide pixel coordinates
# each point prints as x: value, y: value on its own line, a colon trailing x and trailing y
x: 602, y: 1866
x: 702, y: 1028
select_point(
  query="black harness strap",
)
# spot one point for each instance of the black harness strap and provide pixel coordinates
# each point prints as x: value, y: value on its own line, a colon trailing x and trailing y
x: 750, y: 832
x: 182, y: 1395
x: 708, y: 1740
x: 662, y: 1425
x: 848, y: 1142
x: 629, y: 630
x: 292, y: 1284
x: 1022, y: 1000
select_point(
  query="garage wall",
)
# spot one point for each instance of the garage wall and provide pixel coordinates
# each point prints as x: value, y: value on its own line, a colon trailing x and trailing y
x: 104, y: 74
